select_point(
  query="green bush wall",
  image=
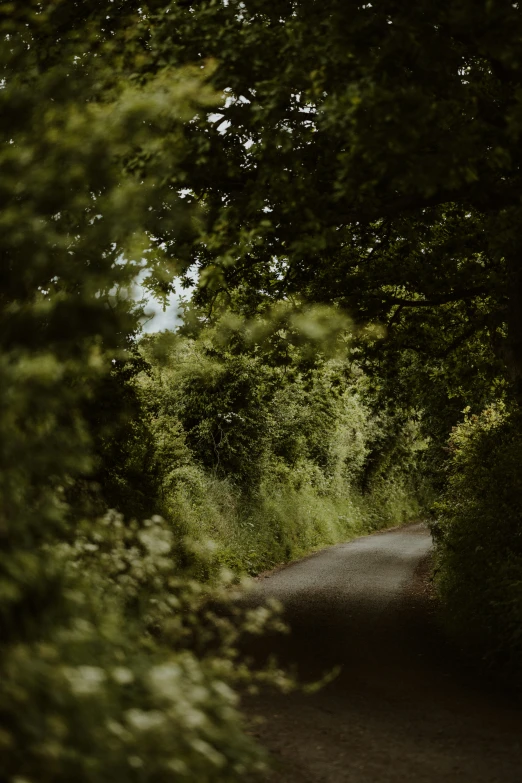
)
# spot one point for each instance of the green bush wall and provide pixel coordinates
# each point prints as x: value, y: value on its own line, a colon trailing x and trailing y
x: 271, y: 463
x: 479, y: 535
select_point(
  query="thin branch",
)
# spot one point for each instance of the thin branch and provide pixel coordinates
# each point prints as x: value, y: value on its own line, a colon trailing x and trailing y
x: 459, y: 340
x: 435, y: 302
x: 395, y: 317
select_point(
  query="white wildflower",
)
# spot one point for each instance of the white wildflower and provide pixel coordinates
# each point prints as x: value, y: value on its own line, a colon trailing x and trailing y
x: 157, y: 541
x: 165, y: 680
x: 210, y: 753
x: 118, y: 730
x: 85, y: 680
x: 122, y: 675
x: 145, y: 721
x: 225, y: 691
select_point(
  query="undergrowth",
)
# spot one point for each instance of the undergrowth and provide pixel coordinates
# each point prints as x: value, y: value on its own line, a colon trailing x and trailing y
x: 269, y: 463
x: 479, y: 540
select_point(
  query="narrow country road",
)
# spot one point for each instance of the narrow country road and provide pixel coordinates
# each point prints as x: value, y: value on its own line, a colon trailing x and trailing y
x: 404, y: 707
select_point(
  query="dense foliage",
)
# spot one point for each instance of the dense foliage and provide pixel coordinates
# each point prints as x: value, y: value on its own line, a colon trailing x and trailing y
x: 270, y: 460
x: 112, y: 665
x: 337, y: 158
x: 367, y: 155
x: 479, y: 534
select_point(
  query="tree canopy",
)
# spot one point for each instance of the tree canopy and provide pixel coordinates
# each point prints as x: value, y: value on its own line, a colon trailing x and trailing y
x: 365, y: 154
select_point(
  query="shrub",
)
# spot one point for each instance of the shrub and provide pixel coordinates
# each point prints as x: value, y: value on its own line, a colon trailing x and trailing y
x: 136, y: 681
x: 91, y: 689
x: 272, y: 461
x: 479, y: 533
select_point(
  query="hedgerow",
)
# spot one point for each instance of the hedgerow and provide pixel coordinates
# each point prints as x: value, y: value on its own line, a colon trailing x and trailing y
x: 273, y: 461
x: 479, y: 538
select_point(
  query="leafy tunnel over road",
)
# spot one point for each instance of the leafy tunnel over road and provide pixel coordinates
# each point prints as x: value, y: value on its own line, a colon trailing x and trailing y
x: 405, y: 706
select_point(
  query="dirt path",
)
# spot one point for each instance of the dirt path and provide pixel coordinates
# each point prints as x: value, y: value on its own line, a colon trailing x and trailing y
x: 403, y: 709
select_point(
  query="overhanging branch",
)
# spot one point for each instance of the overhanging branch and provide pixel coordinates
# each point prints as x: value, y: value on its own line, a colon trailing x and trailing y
x: 456, y: 296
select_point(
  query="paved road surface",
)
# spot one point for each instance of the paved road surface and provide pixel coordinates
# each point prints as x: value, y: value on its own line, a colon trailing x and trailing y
x: 404, y: 708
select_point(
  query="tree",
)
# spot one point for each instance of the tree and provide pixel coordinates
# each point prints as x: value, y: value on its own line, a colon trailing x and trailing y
x: 87, y: 691
x: 366, y: 154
